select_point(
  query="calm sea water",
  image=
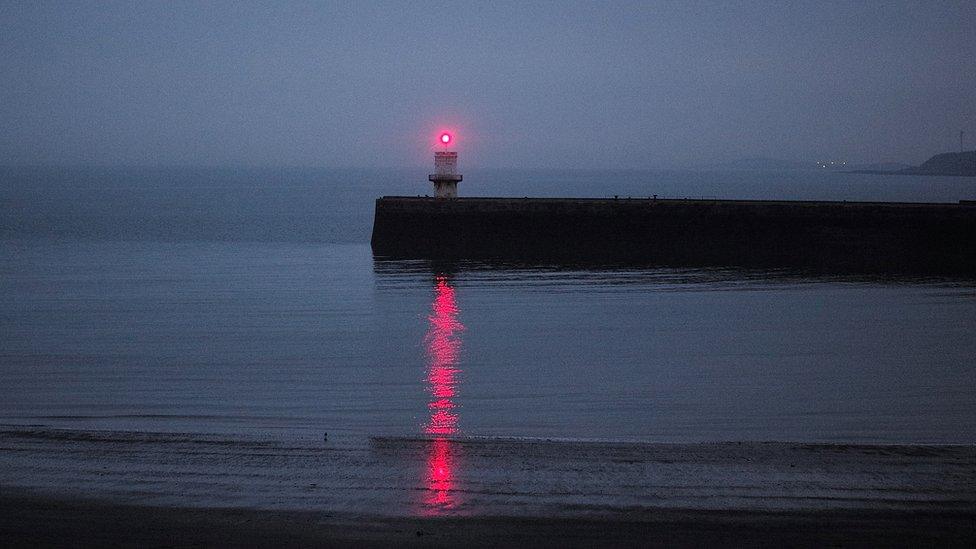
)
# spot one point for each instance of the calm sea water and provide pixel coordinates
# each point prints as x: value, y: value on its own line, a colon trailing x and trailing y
x: 248, y: 301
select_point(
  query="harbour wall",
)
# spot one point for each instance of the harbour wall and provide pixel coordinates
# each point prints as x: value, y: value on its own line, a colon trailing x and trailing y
x: 824, y: 236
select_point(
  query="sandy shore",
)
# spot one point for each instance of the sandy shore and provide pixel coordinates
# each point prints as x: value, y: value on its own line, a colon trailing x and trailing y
x: 30, y: 521
x: 80, y: 488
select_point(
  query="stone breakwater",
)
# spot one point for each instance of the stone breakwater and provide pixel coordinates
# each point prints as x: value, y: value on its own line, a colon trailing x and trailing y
x: 870, y: 237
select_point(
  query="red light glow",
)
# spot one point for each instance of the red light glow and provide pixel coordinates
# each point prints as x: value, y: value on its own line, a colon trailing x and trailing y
x: 446, y: 138
x: 440, y: 477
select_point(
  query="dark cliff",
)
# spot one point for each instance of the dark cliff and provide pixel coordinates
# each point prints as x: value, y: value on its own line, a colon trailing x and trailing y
x: 960, y: 163
x: 829, y: 236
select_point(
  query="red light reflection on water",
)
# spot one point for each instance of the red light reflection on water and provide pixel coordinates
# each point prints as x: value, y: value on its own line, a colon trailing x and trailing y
x: 443, y: 344
x: 440, y: 477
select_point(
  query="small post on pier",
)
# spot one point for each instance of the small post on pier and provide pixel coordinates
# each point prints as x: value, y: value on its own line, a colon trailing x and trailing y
x: 445, y: 176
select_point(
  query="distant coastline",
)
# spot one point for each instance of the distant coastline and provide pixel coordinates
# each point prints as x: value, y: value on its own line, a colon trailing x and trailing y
x: 956, y: 164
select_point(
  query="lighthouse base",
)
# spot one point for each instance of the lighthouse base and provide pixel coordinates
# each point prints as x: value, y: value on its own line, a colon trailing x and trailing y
x: 445, y: 186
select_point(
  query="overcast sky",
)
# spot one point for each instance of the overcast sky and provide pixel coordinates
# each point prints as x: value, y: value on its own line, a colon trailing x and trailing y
x: 524, y: 84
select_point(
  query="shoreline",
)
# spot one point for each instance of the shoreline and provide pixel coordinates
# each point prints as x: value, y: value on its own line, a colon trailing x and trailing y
x: 74, y: 488
x: 445, y: 476
x: 30, y: 519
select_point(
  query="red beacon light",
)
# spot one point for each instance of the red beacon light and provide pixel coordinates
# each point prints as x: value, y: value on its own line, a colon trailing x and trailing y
x: 445, y: 177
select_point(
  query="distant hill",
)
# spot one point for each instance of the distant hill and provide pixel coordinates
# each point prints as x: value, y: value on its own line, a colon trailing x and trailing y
x: 960, y: 163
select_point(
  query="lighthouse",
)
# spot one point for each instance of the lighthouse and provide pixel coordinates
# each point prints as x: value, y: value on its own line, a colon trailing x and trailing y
x: 445, y: 177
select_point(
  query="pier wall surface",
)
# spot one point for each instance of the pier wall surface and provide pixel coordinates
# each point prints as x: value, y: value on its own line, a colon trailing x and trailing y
x: 829, y: 236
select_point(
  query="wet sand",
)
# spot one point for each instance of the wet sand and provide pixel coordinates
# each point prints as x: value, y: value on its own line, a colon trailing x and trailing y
x: 104, y: 488
x: 32, y: 521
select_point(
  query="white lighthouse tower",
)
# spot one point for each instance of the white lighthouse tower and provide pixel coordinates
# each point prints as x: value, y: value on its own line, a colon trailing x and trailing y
x: 445, y: 176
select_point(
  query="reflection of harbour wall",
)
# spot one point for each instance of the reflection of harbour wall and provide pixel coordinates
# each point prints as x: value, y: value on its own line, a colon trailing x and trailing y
x: 859, y: 236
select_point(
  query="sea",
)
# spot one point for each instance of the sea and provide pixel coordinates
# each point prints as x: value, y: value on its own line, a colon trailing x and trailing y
x: 247, y: 301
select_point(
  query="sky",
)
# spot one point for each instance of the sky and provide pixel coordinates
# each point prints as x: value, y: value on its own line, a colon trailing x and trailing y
x: 600, y: 85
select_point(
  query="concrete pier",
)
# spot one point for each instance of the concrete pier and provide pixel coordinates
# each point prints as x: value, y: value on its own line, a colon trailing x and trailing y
x: 828, y: 236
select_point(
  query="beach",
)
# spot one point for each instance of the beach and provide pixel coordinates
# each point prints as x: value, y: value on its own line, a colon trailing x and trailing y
x: 33, y: 521
x: 78, y: 488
